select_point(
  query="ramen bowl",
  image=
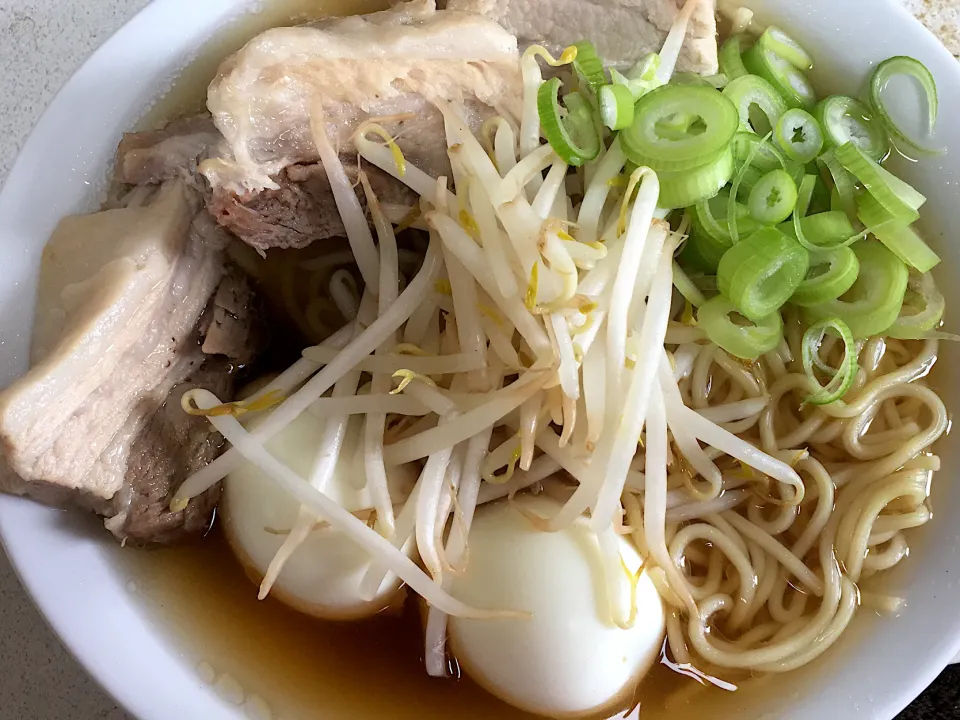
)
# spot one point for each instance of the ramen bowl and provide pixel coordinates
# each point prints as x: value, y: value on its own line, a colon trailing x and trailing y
x: 89, y: 591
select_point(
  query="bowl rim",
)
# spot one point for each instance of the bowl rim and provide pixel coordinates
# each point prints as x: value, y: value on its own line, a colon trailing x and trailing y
x: 110, y: 680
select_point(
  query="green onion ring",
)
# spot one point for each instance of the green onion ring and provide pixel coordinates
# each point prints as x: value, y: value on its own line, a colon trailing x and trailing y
x: 844, y: 120
x: 749, y: 90
x: 588, y: 66
x: 644, y: 146
x: 910, y: 67
x: 790, y: 83
x: 768, y: 156
x: 842, y: 183
x: 799, y: 233
x: 779, y: 43
x: 874, y: 301
x: 747, y: 341
x: 895, y: 196
x: 899, y: 237
x: 844, y: 375
x: 710, y: 231
x: 731, y: 61
x: 735, y: 188
x: 760, y: 273
x: 685, y: 188
x: 773, y: 198
x: 922, y: 310
x: 821, y: 285
x: 800, y: 136
x: 825, y: 231
x: 616, y: 106
x: 574, y: 137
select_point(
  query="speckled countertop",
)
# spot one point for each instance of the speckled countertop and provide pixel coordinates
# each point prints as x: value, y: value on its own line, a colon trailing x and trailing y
x: 42, y: 42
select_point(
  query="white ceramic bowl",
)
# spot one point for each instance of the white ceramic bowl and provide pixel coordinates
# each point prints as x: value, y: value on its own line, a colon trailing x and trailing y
x: 71, y: 571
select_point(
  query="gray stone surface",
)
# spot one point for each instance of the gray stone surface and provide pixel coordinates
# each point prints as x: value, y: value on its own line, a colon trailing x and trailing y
x: 42, y: 42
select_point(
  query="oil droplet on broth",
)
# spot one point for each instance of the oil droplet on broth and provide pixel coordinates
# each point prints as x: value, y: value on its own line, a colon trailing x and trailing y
x: 206, y: 673
x: 229, y: 689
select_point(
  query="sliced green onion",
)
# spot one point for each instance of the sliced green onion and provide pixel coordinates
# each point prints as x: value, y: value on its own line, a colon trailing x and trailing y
x: 731, y: 62
x: 843, y: 184
x: 799, y: 229
x: 764, y: 155
x: 779, y: 43
x: 820, y: 202
x: 910, y: 67
x: 687, y: 187
x: 800, y: 136
x: 773, y: 198
x: 893, y: 194
x: 616, y: 106
x: 710, y: 231
x: 899, y: 237
x: 844, y: 376
x: 641, y: 79
x: 907, y: 245
x: 690, y: 257
x: 750, y: 176
x: 644, y: 146
x: 825, y: 231
x: 792, y: 84
x: 573, y: 136
x: 800, y: 211
x: 588, y: 66
x: 873, y: 303
x: 749, y: 340
x: 830, y: 275
x: 760, y: 273
x: 749, y: 90
x: 735, y: 188
x: 844, y: 120
x: 922, y: 310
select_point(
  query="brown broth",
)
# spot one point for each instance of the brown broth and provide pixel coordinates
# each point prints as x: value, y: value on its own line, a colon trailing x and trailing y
x: 208, y: 608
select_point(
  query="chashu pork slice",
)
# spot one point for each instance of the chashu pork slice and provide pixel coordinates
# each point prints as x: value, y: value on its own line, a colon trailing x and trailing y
x: 623, y: 31
x: 384, y: 64
x: 118, y: 327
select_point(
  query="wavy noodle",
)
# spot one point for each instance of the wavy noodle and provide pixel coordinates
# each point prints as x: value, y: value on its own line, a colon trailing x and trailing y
x: 779, y: 580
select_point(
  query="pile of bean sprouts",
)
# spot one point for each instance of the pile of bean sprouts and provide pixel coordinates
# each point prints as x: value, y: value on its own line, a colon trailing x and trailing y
x: 540, y: 344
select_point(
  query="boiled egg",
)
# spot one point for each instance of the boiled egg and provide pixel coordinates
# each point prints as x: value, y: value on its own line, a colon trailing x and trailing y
x: 569, y: 658
x: 322, y: 577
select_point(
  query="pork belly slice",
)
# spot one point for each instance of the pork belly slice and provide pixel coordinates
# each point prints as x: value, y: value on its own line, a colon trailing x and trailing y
x: 124, y: 306
x: 623, y: 31
x: 384, y: 64
x: 154, y: 156
x: 302, y: 209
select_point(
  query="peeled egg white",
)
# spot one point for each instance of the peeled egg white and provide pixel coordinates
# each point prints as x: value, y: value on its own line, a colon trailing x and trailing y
x: 569, y: 659
x: 323, y: 575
